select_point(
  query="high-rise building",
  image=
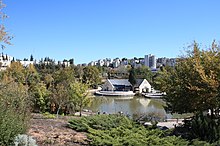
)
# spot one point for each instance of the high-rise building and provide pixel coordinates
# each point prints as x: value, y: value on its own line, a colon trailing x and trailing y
x: 150, y: 61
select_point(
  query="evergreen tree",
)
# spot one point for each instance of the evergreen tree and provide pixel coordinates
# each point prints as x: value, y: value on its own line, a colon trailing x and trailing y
x: 31, y: 58
x: 132, y: 77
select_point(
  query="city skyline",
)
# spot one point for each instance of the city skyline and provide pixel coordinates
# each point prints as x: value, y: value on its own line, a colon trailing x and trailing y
x: 92, y: 30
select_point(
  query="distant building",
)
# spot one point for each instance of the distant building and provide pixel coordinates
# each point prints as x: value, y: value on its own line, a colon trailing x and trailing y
x: 162, y: 61
x: 5, y: 61
x: 92, y: 63
x: 172, y: 62
x: 101, y: 62
x: 66, y: 63
x: 116, y: 62
x: 26, y: 63
x: 166, y: 62
x: 150, y: 61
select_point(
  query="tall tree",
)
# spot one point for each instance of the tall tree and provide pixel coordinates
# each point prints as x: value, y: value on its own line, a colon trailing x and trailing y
x: 144, y: 72
x: 60, y: 96
x: 91, y: 76
x: 79, y: 96
x: 17, y: 72
x: 31, y: 58
x: 132, y: 76
x: 193, y: 85
x: 14, y: 111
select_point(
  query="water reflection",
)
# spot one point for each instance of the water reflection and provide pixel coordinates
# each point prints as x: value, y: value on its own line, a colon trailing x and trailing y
x: 130, y: 106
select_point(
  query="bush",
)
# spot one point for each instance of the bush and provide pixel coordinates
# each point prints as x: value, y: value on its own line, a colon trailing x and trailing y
x: 100, y: 122
x: 203, y: 128
x: 14, y: 111
x: 47, y: 115
x: 119, y: 130
x: 137, y: 136
x: 24, y: 140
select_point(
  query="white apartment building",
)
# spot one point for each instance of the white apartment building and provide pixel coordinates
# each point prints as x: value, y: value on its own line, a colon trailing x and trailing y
x: 166, y: 61
x: 116, y: 62
x: 26, y: 63
x: 101, y: 62
x: 150, y: 61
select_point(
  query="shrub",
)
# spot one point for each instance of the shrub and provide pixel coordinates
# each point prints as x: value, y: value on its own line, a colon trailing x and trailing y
x: 119, y: 130
x: 100, y: 122
x: 24, y: 140
x: 47, y: 115
x: 203, y: 128
x: 137, y: 136
x: 14, y: 111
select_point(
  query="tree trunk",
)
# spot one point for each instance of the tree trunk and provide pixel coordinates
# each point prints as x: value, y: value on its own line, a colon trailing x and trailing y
x: 58, y: 110
x: 212, y: 113
x: 80, y: 111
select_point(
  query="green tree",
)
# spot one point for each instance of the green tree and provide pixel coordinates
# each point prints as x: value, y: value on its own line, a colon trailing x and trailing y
x: 64, y: 74
x: 48, y: 80
x: 60, y: 96
x: 40, y: 97
x: 144, y: 72
x: 78, y: 73
x: 58, y: 84
x: 79, y: 95
x: 14, y: 111
x: 132, y: 76
x: 91, y: 76
x: 17, y: 72
x: 31, y: 58
x: 193, y: 85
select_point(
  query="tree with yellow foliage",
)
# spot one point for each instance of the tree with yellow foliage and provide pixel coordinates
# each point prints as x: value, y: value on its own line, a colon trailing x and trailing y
x: 194, y: 84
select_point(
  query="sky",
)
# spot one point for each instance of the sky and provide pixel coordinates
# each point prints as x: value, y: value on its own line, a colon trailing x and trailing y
x: 88, y: 30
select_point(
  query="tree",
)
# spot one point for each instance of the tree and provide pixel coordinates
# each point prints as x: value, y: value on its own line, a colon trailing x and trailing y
x: 78, y: 72
x: 64, y: 74
x: 60, y: 96
x: 17, y: 72
x: 40, y: 97
x: 193, y: 85
x: 31, y: 58
x: 61, y: 81
x: 79, y: 95
x: 132, y: 77
x: 71, y: 61
x: 4, y: 36
x: 14, y: 111
x: 144, y: 73
x: 91, y: 76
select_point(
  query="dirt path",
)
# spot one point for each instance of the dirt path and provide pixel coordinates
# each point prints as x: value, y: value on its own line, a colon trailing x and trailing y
x: 54, y: 132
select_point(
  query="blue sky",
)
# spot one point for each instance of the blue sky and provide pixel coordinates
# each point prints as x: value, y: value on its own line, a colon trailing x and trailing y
x: 89, y: 30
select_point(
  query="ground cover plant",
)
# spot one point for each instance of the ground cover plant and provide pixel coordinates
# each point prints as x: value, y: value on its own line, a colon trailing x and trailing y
x: 120, y: 130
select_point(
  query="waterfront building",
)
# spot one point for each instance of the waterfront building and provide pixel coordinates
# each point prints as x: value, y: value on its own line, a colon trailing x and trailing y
x: 142, y: 85
x: 117, y: 85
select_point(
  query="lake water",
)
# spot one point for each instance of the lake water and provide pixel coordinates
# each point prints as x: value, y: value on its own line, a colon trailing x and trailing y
x: 127, y: 105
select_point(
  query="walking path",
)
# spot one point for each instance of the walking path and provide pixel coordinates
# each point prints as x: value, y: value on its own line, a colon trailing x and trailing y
x: 171, y: 123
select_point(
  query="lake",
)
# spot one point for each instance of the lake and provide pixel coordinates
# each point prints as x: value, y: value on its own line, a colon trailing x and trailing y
x: 128, y: 105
